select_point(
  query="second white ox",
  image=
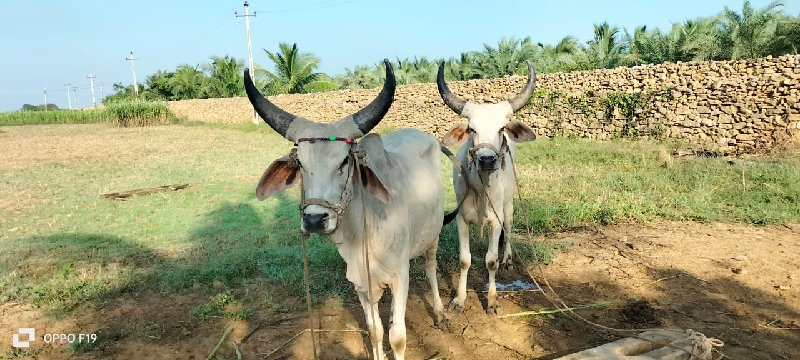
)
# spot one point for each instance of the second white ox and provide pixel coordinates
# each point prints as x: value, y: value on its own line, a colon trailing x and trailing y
x: 385, y: 190
x: 485, y: 188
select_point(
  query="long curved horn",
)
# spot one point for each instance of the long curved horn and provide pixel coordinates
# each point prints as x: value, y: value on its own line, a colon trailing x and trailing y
x: 454, y: 102
x: 369, y: 117
x: 276, y: 117
x: 519, y: 101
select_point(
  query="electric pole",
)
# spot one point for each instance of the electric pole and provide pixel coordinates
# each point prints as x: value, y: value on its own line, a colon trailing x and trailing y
x: 101, y: 91
x: 45, y: 98
x: 246, y: 17
x: 91, y: 84
x: 75, y: 96
x: 69, y: 96
x: 132, y: 59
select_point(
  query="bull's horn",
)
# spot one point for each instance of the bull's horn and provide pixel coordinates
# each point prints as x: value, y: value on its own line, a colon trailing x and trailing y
x: 454, y: 102
x: 276, y: 117
x: 369, y: 117
x: 519, y: 101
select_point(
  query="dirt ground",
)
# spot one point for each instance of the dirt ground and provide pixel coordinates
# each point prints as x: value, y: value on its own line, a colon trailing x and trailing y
x: 737, y: 283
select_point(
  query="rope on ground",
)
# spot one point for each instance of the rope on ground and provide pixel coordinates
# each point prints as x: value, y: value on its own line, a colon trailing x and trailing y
x: 307, y: 280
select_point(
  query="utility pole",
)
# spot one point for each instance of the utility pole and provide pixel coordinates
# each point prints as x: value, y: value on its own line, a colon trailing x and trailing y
x: 91, y: 83
x: 45, y: 98
x: 132, y: 59
x: 246, y: 17
x: 101, y: 91
x: 75, y: 96
x: 69, y: 96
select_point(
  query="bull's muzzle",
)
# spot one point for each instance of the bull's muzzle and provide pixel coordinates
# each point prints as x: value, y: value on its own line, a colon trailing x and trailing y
x: 317, y: 220
x: 488, y: 163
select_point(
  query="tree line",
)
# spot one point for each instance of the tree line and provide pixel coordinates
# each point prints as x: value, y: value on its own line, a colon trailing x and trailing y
x: 729, y: 35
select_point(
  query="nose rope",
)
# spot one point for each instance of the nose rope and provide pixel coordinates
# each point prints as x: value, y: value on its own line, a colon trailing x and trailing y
x: 499, y: 152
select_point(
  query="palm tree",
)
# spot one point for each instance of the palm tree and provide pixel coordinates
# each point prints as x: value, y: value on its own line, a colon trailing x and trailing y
x: 461, y: 68
x: 188, y: 82
x: 294, y: 72
x: 751, y: 33
x: 559, y: 57
x: 606, y: 50
x: 787, y: 35
x: 225, y: 77
x: 159, y: 85
x: 507, y: 59
x: 361, y: 77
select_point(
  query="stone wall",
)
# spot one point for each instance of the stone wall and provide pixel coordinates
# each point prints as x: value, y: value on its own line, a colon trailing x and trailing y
x: 722, y: 106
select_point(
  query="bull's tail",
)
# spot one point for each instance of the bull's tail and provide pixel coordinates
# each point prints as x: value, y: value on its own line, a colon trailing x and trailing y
x: 452, y: 215
x: 449, y: 217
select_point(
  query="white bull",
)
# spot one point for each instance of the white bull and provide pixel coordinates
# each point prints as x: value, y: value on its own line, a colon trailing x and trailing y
x: 385, y: 189
x: 485, y: 189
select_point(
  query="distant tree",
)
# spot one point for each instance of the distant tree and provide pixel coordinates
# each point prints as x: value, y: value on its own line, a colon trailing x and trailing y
x: 605, y: 51
x: 507, y: 59
x: 188, y: 82
x: 751, y: 33
x: 361, y: 77
x: 559, y: 57
x: 461, y: 68
x: 41, y: 107
x: 787, y: 36
x: 159, y: 85
x: 294, y: 72
x: 224, y: 77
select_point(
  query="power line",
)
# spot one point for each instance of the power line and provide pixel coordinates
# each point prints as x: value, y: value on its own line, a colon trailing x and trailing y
x: 246, y: 17
x: 69, y: 96
x: 314, y: 6
x: 91, y: 81
x: 132, y: 59
x: 75, y: 95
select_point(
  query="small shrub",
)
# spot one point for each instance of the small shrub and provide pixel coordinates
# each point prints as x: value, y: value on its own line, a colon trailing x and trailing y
x: 139, y: 113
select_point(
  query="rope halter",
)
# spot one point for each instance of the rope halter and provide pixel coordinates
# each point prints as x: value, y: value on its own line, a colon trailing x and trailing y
x: 501, y: 153
x: 355, y: 157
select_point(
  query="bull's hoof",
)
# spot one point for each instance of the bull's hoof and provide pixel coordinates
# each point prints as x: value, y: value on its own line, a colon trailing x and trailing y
x: 455, y: 307
x: 507, y: 266
x: 444, y: 323
x: 494, y: 310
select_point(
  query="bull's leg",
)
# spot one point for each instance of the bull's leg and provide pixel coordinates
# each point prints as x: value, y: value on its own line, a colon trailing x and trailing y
x: 457, y: 305
x: 492, y: 305
x: 508, y: 214
x: 370, y: 311
x: 397, y: 333
x: 442, y: 320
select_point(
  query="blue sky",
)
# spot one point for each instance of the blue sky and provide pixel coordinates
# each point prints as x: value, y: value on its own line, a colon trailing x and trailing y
x: 48, y: 43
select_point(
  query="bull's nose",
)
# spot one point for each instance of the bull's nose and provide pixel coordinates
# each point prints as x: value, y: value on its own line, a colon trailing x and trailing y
x: 488, y: 162
x: 314, y: 222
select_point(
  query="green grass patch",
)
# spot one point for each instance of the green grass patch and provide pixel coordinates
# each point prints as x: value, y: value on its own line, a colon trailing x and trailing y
x: 53, y: 117
x: 123, y: 114
x: 61, y: 245
x: 568, y: 183
x: 224, y: 305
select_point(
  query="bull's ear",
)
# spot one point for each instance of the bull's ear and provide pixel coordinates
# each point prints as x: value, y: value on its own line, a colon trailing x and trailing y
x: 377, y: 166
x: 519, y: 132
x: 456, y: 136
x: 280, y: 175
x: 373, y: 184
